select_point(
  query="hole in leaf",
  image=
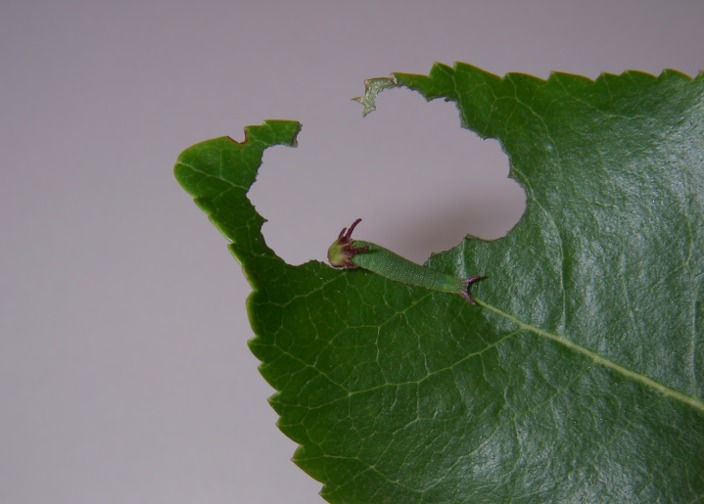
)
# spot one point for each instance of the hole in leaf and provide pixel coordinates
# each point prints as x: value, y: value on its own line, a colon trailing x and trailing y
x: 418, y: 180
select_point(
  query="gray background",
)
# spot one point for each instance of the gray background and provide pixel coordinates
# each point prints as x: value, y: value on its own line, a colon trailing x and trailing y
x: 124, y: 371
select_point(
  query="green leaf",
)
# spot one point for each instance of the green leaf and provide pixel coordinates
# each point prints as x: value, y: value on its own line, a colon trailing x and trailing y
x: 579, y: 377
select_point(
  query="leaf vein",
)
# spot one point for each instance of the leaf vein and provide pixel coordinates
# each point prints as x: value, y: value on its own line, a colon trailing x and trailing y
x: 598, y: 359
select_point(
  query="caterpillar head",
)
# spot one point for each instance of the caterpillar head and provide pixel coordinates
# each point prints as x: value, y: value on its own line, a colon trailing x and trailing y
x: 342, y: 250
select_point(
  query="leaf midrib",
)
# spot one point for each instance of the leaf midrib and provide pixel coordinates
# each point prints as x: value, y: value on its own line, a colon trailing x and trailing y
x: 599, y: 360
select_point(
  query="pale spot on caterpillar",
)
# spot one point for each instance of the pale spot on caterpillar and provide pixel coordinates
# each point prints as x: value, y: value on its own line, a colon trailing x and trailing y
x: 347, y: 253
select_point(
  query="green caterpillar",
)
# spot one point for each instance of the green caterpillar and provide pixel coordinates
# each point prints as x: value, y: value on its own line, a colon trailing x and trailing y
x: 348, y: 253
